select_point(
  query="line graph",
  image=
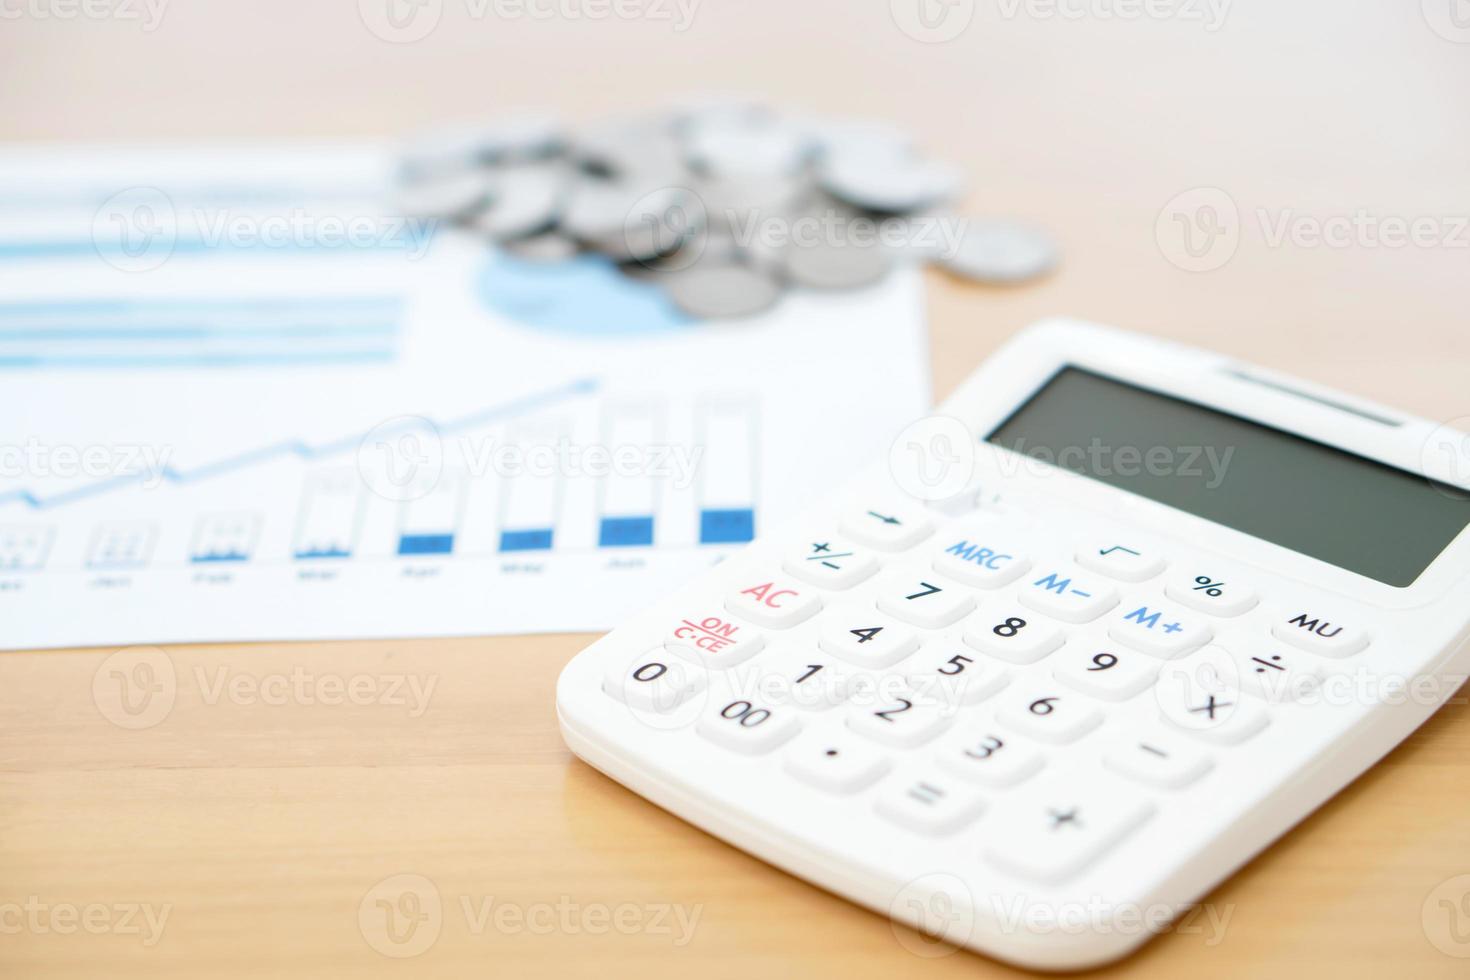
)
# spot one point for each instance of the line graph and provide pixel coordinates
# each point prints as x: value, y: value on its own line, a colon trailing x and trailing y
x: 300, y: 449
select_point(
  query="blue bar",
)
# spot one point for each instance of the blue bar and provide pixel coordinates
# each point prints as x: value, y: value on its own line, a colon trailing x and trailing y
x: 726, y: 526
x: 625, y: 532
x: 219, y: 556
x: 425, y: 544
x: 324, y: 553
x: 536, y: 539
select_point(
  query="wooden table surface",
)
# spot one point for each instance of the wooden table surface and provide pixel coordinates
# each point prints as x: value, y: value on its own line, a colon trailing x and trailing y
x: 263, y: 829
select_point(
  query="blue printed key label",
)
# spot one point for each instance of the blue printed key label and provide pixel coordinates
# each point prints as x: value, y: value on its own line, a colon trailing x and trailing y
x: 979, y: 555
x: 1053, y: 582
x: 1151, y: 619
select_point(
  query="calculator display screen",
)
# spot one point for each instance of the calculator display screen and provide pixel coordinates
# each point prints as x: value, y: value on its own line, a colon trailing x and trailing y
x: 1358, y: 514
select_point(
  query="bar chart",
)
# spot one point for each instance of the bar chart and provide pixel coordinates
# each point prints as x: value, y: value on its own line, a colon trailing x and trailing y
x: 629, y: 497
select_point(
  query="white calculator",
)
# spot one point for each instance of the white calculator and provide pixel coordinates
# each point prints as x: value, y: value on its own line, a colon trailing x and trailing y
x: 1114, y: 619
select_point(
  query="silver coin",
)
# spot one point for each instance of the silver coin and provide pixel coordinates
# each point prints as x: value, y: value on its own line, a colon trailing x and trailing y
x: 1001, y: 252
x: 526, y: 198
x: 706, y: 245
x: 525, y: 134
x: 832, y: 265
x: 710, y: 290
x: 924, y: 236
x: 628, y: 220
x: 548, y: 246
x: 655, y: 224
x: 890, y: 186
x: 450, y: 198
x: 733, y: 107
x: 447, y: 150
x: 766, y: 149
x: 640, y: 148
x: 745, y: 205
x: 596, y: 208
x: 440, y: 153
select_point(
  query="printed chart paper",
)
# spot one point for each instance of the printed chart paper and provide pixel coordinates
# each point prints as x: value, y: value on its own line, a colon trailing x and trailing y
x: 241, y: 401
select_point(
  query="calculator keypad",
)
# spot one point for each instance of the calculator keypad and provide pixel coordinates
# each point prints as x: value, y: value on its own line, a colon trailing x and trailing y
x: 972, y: 672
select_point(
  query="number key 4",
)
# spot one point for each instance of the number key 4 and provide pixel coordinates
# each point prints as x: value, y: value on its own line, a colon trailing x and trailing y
x: 867, y: 640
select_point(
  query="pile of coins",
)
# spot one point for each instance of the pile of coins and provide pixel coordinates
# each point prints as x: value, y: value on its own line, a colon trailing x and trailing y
x: 724, y: 203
